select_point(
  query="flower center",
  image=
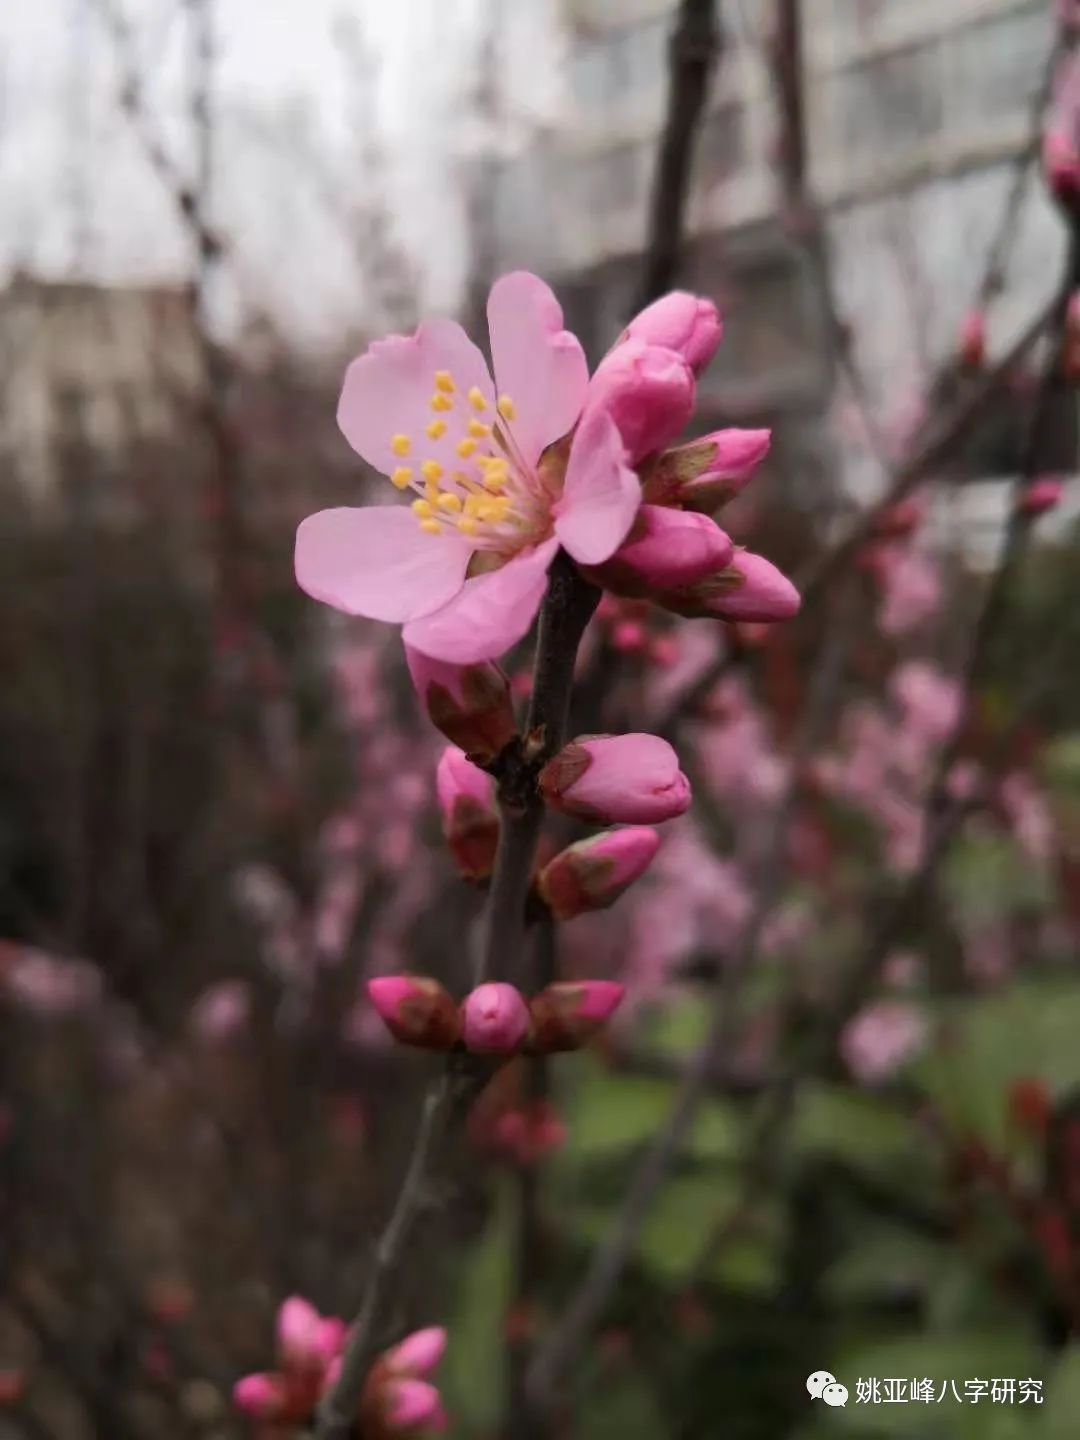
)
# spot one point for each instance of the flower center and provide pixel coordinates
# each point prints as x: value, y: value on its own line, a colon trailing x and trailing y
x: 473, y: 477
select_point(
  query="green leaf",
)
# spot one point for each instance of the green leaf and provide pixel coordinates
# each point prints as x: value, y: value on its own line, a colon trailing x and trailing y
x: 1060, y: 1419
x: 476, y: 1336
x: 612, y: 1111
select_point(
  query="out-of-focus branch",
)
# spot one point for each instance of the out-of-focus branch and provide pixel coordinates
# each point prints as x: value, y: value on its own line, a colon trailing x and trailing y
x: 694, y: 52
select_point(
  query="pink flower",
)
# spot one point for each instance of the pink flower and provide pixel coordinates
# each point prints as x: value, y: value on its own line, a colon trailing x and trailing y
x: 665, y: 549
x: 470, y: 704
x: 931, y: 701
x: 418, y: 1354
x: 222, y: 1010
x: 1041, y: 494
x: 495, y: 1019
x: 648, y: 391
x: 464, y: 570
x: 567, y: 1015
x: 593, y: 873
x: 611, y: 779
x: 470, y: 822
x: 881, y: 1039
x: 750, y: 588
x: 705, y: 474
x: 911, y: 591
x: 309, y: 1347
x: 416, y: 1010
x: 398, y: 1400
x: 685, y: 323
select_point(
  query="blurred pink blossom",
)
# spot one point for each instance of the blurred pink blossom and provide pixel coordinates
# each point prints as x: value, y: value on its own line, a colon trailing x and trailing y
x: 881, y: 1039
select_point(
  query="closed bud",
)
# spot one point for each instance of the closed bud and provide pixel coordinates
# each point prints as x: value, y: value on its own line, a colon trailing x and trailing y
x: 470, y: 704
x: 263, y: 1397
x: 750, y: 588
x: 688, y: 324
x: 1040, y: 495
x: 299, y: 1335
x: 649, y: 393
x: 567, y: 1016
x: 593, y: 873
x: 416, y: 1010
x: 470, y: 821
x: 665, y: 548
x: 495, y: 1020
x: 397, y: 1402
x: 612, y: 779
x: 705, y: 474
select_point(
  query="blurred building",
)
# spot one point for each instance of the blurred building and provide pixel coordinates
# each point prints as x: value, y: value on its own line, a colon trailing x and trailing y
x: 916, y: 114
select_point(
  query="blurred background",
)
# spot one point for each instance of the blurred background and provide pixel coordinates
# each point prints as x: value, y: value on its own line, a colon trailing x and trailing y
x: 217, y: 809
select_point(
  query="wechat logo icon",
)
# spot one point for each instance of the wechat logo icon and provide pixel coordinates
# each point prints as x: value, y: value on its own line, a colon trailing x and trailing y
x: 821, y: 1385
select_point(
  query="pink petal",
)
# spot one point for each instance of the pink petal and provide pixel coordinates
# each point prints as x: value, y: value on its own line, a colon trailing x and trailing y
x: 601, y: 494
x: 541, y: 366
x: 411, y: 1403
x: 489, y: 614
x: 388, y: 392
x: 418, y: 1353
x: 377, y: 562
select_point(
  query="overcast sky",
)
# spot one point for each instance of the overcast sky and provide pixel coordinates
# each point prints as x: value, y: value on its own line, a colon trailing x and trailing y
x: 76, y: 191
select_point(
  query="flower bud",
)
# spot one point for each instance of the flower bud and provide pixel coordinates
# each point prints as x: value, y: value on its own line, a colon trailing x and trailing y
x: 688, y: 324
x: 705, y: 474
x: 665, y: 549
x: 416, y: 1010
x: 260, y: 1396
x: 750, y: 588
x: 470, y: 821
x: 593, y: 873
x: 495, y: 1019
x: 973, y: 340
x: 470, y: 704
x: 1061, y: 164
x: 1040, y: 495
x: 299, y: 1335
x: 418, y: 1354
x: 648, y: 392
x: 413, y: 1406
x: 612, y: 779
x: 566, y: 1016
x: 396, y: 1400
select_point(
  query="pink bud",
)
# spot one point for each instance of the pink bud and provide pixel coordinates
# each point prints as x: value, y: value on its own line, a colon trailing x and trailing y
x: 613, y: 779
x: 687, y: 324
x: 665, y: 549
x: 973, y: 339
x: 416, y: 1010
x: 565, y: 1016
x: 470, y: 822
x: 1041, y: 494
x: 593, y: 873
x: 470, y: 704
x: 298, y: 1333
x: 413, y: 1405
x: 330, y: 1340
x: 750, y: 588
x: 705, y: 474
x: 649, y: 393
x: 419, y: 1353
x: 260, y: 1396
x: 495, y: 1019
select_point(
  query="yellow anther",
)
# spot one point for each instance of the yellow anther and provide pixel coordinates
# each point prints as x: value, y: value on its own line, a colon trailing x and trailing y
x: 472, y: 505
x: 478, y: 429
x: 476, y: 398
x: 444, y: 381
x: 506, y: 407
x: 432, y: 470
x: 491, y: 510
x: 436, y: 429
x: 431, y: 527
x: 449, y: 502
x: 467, y: 525
x: 401, y: 477
x: 439, y: 401
x: 495, y: 481
x: 400, y: 444
x: 423, y: 509
x: 465, y: 448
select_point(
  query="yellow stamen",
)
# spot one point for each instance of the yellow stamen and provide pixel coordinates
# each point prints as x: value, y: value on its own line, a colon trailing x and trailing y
x: 436, y: 429
x: 444, y: 381
x: 492, y: 510
x: 478, y: 429
x: 401, y: 477
x: 506, y: 407
x: 496, y: 481
x: 450, y: 502
x: 472, y: 506
x: 431, y: 527
x: 467, y: 525
x: 465, y: 448
x: 400, y: 444
x: 431, y: 470
x: 439, y: 401
x: 476, y: 398
x: 423, y: 509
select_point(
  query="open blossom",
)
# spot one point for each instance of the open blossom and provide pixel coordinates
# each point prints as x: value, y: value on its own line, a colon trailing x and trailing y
x: 609, y: 779
x: 464, y: 568
x: 882, y: 1038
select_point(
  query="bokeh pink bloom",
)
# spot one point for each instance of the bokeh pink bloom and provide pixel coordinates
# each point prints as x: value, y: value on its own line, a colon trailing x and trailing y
x: 882, y: 1038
